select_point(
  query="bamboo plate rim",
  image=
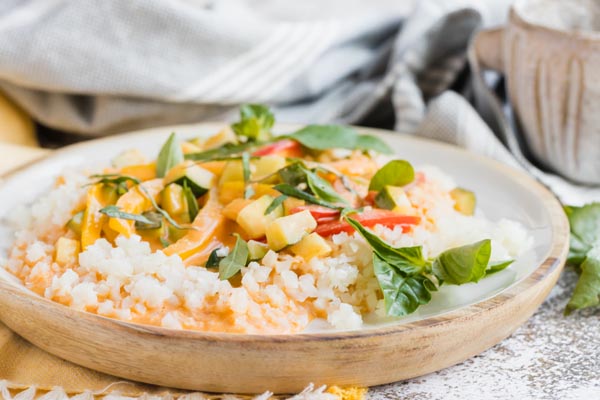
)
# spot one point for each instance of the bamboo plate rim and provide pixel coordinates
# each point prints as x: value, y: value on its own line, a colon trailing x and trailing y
x: 553, y: 259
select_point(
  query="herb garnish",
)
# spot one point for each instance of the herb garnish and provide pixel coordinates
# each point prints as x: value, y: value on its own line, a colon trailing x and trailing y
x: 275, y: 203
x: 169, y: 156
x: 394, y: 173
x: 256, y: 121
x: 191, y: 201
x: 584, y: 255
x: 407, y: 279
x: 235, y: 260
x: 115, y: 212
x: 325, y: 137
x: 248, y: 189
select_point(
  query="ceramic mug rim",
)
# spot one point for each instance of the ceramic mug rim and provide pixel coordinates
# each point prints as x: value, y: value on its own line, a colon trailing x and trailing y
x: 518, y: 18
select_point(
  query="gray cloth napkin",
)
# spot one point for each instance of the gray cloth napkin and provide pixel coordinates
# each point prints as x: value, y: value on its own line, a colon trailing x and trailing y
x: 97, y: 67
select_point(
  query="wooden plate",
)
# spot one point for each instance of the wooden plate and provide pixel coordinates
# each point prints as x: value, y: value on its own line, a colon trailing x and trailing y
x: 458, y: 324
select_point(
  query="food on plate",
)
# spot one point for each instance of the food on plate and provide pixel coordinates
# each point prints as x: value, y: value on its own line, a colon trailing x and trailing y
x: 249, y: 232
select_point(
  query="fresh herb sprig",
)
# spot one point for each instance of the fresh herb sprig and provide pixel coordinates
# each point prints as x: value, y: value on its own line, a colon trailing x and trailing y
x: 584, y: 255
x: 169, y: 156
x: 237, y: 258
x: 407, y: 279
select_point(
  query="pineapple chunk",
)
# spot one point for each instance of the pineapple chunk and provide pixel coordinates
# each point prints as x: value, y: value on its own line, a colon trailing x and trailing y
x: 267, y: 165
x: 233, y: 171
x: 290, y: 203
x: 229, y: 191
x: 233, y: 209
x: 67, y: 251
x: 312, y: 245
x: 253, y: 220
x: 257, y: 250
x: 289, y: 230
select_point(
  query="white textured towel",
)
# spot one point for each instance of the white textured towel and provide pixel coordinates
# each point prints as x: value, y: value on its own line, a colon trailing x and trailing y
x: 102, y: 66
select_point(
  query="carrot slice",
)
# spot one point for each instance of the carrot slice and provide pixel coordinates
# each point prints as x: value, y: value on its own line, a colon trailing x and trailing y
x: 135, y: 202
x: 209, y: 224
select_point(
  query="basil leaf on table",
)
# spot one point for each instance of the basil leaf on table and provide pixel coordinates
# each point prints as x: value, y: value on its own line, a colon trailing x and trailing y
x: 584, y: 254
x: 115, y: 212
x: 325, y: 137
x: 463, y: 264
x: 402, y: 293
x: 235, y: 260
x: 587, y: 290
x: 585, y: 230
x: 169, y: 156
x: 256, y: 121
x: 394, y: 173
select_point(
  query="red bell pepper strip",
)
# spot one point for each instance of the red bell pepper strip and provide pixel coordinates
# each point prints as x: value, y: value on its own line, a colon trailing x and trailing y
x: 369, y: 219
x: 319, y: 213
x: 284, y: 148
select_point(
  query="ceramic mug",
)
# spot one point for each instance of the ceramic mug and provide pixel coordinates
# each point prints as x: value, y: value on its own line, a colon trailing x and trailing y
x: 549, y: 52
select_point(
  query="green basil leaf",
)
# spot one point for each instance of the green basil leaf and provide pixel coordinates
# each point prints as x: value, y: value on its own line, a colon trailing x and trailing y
x: 248, y: 190
x: 296, y: 193
x: 293, y: 174
x: 169, y: 156
x: 191, y: 201
x: 256, y: 121
x: 235, y: 260
x: 394, y: 173
x: 156, y: 219
x: 408, y: 260
x: 275, y: 203
x: 492, y: 268
x: 585, y: 230
x: 402, y: 293
x: 323, y: 188
x: 113, y: 179
x: 163, y: 212
x: 325, y: 137
x: 213, y: 259
x: 463, y: 264
x: 115, y: 212
x: 224, y: 152
x: 587, y: 291
x: 368, y: 142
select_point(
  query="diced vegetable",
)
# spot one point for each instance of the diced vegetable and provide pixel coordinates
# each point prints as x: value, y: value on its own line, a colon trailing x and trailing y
x: 319, y: 213
x: 226, y: 135
x: 257, y: 250
x: 74, y: 223
x: 134, y: 202
x: 289, y: 230
x: 464, y: 201
x: 267, y: 165
x: 198, y: 179
x: 394, y: 198
x: 310, y: 246
x: 233, y: 209
x: 67, y: 251
x: 210, y: 225
x: 283, y: 148
x: 233, y: 171
x: 369, y: 219
x: 292, y: 203
x: 253, y: 220
x: 173, y: 201
x: 189, y: 147
x: 142, y: 172
x: 128, y: 157
x: 91, y: 224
